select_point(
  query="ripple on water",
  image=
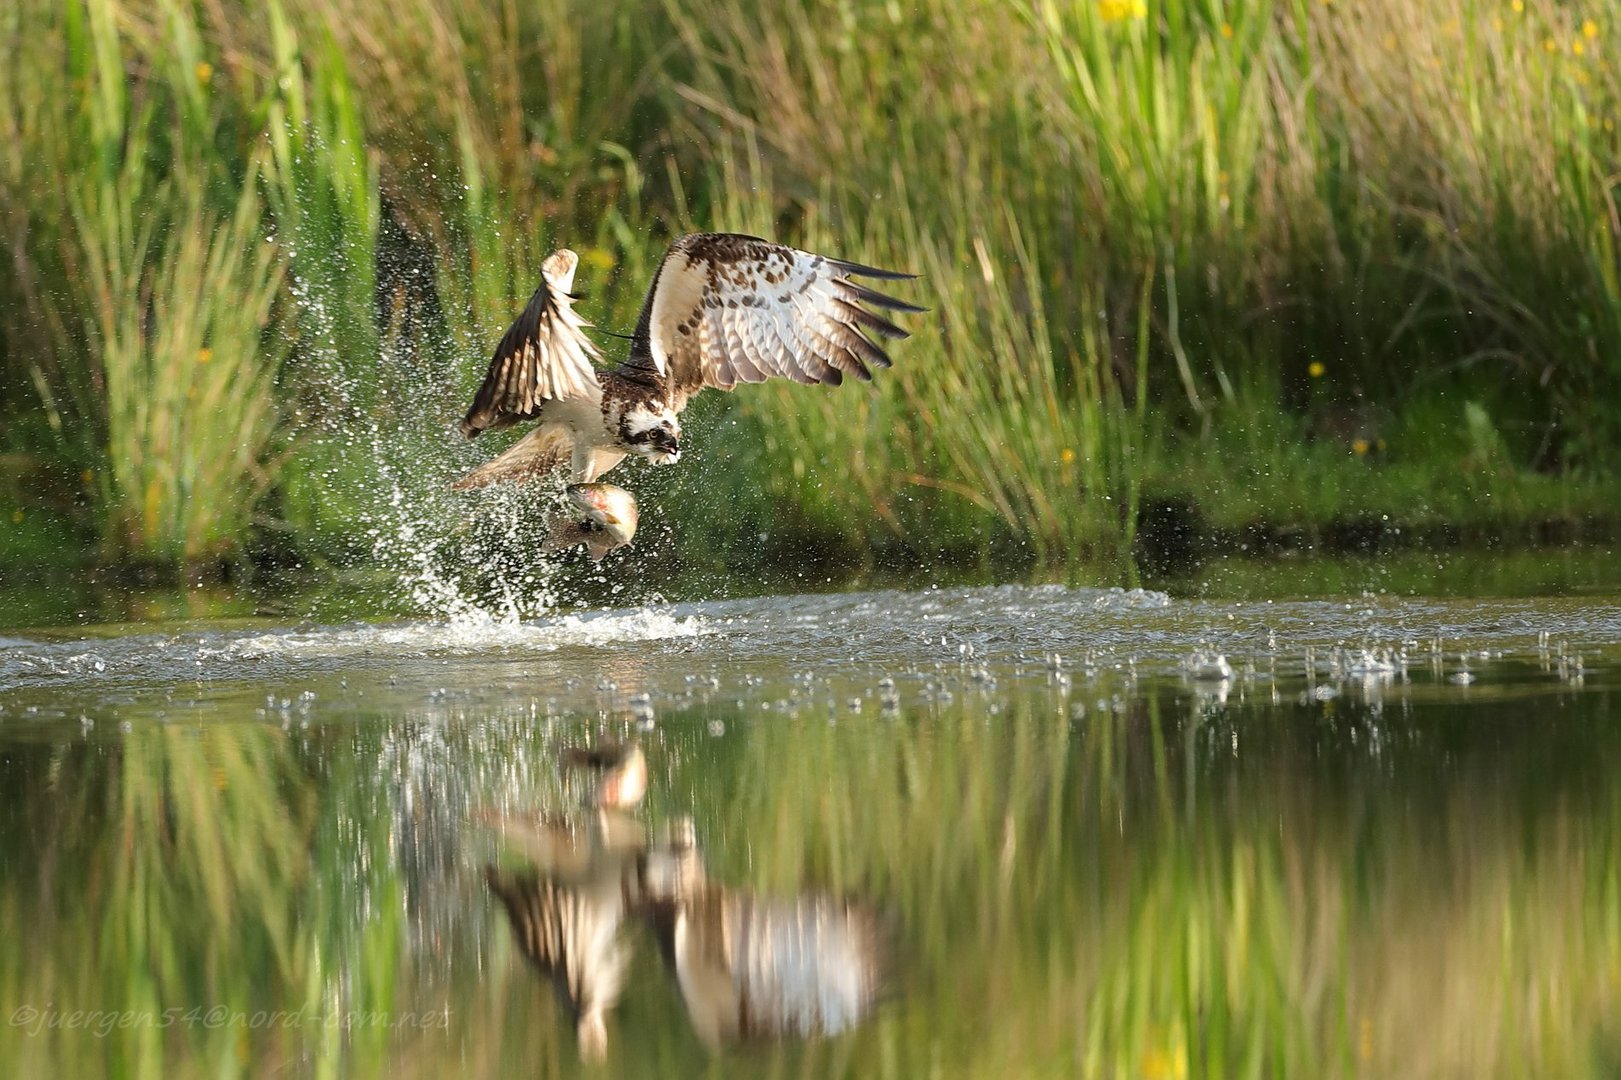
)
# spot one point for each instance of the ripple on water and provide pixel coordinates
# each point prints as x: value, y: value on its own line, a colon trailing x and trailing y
x: 994, y: 629
x: 157, y: 658
x: 475, y: 635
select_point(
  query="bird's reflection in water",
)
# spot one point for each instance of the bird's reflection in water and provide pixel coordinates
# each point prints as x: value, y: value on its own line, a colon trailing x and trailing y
x: 752, y: 966
x: 566, y: 911
x: 747, y: 966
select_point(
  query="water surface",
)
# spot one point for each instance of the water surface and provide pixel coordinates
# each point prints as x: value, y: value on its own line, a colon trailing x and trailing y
x: 1056, y: 832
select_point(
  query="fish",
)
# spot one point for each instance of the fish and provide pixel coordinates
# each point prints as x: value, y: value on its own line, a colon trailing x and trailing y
x: 609, y: 522
x: 619, y: 770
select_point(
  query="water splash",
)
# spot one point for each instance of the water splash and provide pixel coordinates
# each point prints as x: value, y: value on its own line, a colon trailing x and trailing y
x: 472, y: 635
x: 381, y: 365
x: 388, y: 454
x: 470, y: 558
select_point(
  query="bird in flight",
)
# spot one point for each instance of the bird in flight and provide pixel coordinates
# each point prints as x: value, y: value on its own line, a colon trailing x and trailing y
x: 723, y: 309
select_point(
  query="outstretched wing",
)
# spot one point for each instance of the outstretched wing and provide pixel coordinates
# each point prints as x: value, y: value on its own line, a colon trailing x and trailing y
x: 543, y: 356
x: 726, y: 308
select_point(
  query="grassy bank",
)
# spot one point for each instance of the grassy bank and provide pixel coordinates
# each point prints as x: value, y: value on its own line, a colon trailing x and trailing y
x: 1292, y: 262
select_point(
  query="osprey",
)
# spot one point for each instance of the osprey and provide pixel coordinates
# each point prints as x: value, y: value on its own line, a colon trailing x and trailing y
x: 723, y: 309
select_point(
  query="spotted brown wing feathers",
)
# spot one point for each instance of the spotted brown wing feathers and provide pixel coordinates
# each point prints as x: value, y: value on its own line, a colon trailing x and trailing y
x: 727, y: 308
x: 543, y: 356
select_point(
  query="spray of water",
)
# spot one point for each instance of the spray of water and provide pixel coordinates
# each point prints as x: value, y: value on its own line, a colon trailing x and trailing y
x: 391, y: 337
x: 385, y: 433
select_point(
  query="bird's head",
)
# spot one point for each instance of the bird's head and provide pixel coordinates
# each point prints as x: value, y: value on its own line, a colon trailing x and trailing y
x: 652, y: 430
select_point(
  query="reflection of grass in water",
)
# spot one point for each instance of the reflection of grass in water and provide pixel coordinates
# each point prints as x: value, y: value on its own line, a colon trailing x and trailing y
x: 182, y: 873
x: 1068, y: 907
x: 169, y: 858
x: 1119, y: 896
x: 1071, y: 909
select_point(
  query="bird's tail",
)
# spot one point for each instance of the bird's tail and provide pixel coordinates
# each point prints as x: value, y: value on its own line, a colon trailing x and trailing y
x: 536, y: 454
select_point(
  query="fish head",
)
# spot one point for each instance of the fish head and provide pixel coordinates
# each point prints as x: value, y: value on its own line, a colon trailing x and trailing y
x: 609, y: 507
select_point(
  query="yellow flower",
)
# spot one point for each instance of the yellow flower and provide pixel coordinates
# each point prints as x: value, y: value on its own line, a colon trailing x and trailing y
x: 1360, y: 447
x: 1517, y: 6
x: 1589, y: 29
x: 1227, y: 30
x: 1121, y: 10
x: 1550, y: 45
x: 1577, y: 48
x: 1066, y: 455
x: 1316, y: 369
x: 204, y: 355
x: 1169, y: 1064
x: 205, y: 72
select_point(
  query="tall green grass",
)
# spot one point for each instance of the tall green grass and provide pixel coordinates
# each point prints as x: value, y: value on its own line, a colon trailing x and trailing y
x: 190, y: 407
x: 1145, y: 228
x: 1233, y: 194
x: 324, y: 205
x: 149, y: 292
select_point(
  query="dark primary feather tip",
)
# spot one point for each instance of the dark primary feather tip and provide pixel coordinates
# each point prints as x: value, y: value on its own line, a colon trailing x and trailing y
x: 871, y: 271
x: 876, y: 323
x: 877, y: 299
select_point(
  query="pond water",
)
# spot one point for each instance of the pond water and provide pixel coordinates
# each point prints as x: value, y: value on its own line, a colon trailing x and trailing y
x: 1013, y: 831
